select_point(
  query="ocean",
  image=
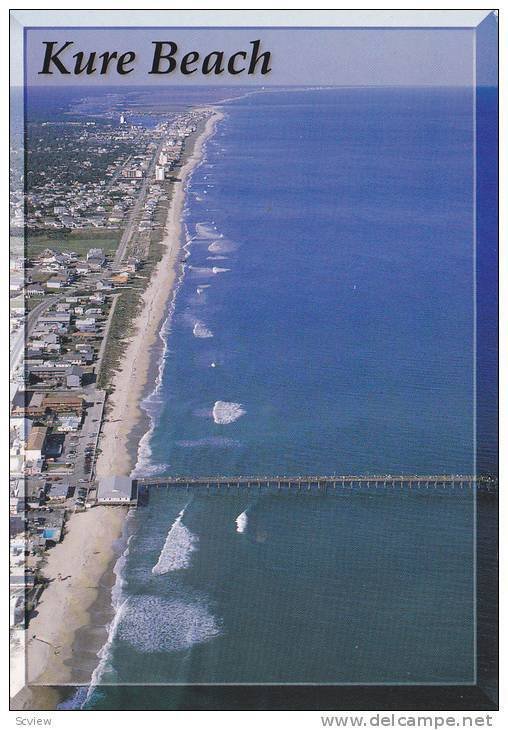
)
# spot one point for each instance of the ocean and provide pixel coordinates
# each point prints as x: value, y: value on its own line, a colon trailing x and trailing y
x: 323, y: 324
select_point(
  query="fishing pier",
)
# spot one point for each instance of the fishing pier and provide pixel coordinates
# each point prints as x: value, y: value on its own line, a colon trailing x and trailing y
x: 137, y: 490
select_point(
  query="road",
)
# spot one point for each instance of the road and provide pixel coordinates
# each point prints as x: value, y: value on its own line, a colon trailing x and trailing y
x: 132, y: 221
x: 105, y: 335
x: 18, y: 342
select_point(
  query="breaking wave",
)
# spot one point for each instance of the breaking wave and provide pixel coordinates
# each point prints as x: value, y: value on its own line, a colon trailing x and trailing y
x: 222, y: 246
x: 151, y: 624
x: 200, y: 330
x: 225, y: 412
x: 178, y: 548
x: 242, y: 522
x: 205, y: 230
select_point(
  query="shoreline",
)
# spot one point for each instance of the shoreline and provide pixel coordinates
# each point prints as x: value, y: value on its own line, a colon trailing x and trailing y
x: 74, y: 614
x: 132, y: 382
x: 80, y: 573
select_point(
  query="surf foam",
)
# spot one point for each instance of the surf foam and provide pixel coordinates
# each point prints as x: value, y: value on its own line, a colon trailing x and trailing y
x: 221, y: 246
x: 205, y: 230
x: 151, y: 624
x: 242, y: 522
x: 226, y: 412
x: 178, y: 548
x: 200, y: 330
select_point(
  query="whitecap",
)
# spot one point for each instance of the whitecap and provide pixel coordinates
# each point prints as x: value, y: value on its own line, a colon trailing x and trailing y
x: 222, y: 246
x: 152, y: 624
x: 242, y: 522
x: 145, y: 469
x: 177, y: 550
x: 201, y: 331
x: 205, y: 230
x: 226, y: 412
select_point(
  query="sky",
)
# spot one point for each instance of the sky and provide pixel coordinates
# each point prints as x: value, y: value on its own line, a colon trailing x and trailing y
x: 299, y: 56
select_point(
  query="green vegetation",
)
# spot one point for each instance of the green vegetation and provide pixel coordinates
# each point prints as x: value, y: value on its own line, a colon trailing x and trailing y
x: 78, y: 241
x: 32, y: 302
x: 127, y: 307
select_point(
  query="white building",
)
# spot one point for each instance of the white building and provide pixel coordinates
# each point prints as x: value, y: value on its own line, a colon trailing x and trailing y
x: 115, y: 490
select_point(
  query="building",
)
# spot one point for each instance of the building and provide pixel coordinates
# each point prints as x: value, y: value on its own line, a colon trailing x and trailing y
x: 22, y: 427
x: 95, y: 253
x: 68, y: 423
x: 27, y: 403
x: 116, y: 490
x: 35, y: 443
x: 34, y: 290
x: 87, y: 324
x: 63, y: 402
x: 58, y: 318
x: 59, y: 491
x: 159, y: 172
x: 74, y: 377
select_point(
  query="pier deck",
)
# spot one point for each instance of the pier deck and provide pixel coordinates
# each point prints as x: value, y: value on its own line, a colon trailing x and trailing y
x: 317, y: 484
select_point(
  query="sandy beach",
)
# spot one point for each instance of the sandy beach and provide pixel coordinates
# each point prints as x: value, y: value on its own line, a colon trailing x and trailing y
x: 72, y: 618
x: 80, y: 570
x: 119, y: 451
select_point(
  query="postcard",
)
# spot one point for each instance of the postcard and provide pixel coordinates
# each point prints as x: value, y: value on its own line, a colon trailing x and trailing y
x: 253, y: 313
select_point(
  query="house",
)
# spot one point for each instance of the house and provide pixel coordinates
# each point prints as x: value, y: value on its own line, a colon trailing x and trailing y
x: 63, y: 402
x: 104, y: 285
x: 35, y: 443
x: 96, y: 255
x: 57, y: 282
x: 34, y: 290
x: 86, y: 324
x: 27, y: 403
x: 82, y: 269
x: 58, y: 492
x: 60, y: 318
x: 74, y: 377
x: 68, y: 423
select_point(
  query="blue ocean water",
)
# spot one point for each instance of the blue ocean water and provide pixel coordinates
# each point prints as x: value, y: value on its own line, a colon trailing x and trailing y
x: 342, y: 322
x: 323, y: 324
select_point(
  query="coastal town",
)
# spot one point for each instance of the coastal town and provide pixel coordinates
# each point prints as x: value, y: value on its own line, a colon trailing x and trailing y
x: 88, y: 234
